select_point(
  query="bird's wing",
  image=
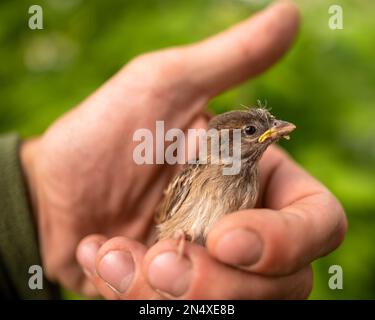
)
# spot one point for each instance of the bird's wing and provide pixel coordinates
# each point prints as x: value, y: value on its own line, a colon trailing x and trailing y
x: 176, y: 193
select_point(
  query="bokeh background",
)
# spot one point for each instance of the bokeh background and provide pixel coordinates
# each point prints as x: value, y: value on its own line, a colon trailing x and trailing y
x: 326, y: 85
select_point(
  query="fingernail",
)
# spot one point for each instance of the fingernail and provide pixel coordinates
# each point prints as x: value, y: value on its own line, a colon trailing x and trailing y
x: 87, y: 257
x: 170, y: 273
x: 117, y: 269
x: 239, y: 247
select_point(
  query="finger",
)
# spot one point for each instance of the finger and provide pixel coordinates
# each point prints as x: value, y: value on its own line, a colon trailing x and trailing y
x: 118, y: 266
x: 86, y: 253
x: 242, y: 51
x: 308, y: 222
x: 289, y: 188
x: 278, y: 169
x: 187, y: 277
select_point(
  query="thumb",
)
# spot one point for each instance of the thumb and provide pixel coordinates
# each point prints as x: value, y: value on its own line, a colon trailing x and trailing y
x: 242, y: 51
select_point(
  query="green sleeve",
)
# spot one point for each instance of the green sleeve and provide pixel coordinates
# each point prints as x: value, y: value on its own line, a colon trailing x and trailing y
x: 18, y: 238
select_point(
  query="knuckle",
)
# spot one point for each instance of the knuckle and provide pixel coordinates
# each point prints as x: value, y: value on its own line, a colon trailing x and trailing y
x: 163, y: 64
x: 340, y: 221
x: 303, y: 290
x: 161, y: 73
x: 285, y: 251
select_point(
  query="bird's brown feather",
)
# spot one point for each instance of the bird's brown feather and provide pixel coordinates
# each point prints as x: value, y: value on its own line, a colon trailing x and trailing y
x: 200, y: 194
x: 177, y: 192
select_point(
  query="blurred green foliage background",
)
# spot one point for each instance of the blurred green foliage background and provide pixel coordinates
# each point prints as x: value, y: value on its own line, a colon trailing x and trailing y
x: 325, y: 85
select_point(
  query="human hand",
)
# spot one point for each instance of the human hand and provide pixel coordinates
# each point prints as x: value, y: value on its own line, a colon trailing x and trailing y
x: 81, y: 173
x: 252, y: 254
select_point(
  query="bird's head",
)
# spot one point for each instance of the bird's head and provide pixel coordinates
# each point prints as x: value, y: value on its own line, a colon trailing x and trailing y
x: 258, y: 127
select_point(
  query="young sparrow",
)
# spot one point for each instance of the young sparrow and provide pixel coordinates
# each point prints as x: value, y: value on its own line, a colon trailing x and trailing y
x: 200, y: 194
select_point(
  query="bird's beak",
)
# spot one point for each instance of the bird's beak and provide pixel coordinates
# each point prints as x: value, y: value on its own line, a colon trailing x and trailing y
x: 278, y: 130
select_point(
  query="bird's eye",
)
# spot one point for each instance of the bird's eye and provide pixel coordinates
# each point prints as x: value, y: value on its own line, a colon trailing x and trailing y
x: 250, y: 130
